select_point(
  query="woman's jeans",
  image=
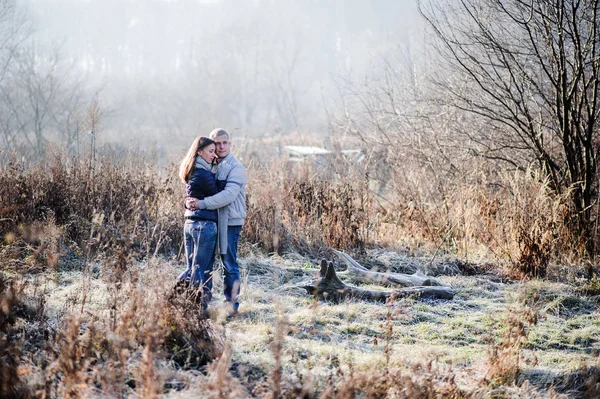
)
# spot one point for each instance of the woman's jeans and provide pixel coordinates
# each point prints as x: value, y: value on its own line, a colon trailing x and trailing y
x: 200, y: 244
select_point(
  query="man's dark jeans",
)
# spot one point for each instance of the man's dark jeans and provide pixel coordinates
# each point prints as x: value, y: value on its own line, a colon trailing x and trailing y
x: 231, y: 269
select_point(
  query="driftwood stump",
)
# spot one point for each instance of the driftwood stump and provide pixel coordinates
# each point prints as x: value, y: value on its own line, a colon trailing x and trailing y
x: 329, y: 286
x: 364, y: 275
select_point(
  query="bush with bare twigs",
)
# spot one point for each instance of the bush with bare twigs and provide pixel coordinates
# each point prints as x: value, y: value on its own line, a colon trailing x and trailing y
x: 507, y: 359
x: 11, y: 385
x: 59, y: 206
x: 307, y: 209
x: 517, y: 220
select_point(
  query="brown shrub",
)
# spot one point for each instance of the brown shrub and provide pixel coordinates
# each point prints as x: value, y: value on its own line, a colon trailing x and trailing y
x: 191, y: 340
x: 60, y: 205
x: 306, y: 208
x: 506, y: 359
x: 535, y: 222
x: 11, y: 385
x: 515, y: 218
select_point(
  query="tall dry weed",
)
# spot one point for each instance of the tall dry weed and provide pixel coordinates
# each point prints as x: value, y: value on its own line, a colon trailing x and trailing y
x: 307, y: 208
x: 192, y: 341
x: 277, y: 347
x: 149, y: 382
x: 54, y: 209
x: 537, y: 222
x: 74, y: 359
x: 11, y: 385
x: 505, y: 360
x: 429, y: 380
x: 264, y: 224
x: 514, y: 217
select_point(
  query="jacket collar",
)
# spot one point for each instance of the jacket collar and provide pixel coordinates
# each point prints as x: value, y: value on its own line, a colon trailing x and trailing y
x: 201, y: 163
x: 227, y: 157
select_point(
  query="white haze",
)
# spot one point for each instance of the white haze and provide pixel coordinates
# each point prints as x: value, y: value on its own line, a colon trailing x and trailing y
x: 168, y: 70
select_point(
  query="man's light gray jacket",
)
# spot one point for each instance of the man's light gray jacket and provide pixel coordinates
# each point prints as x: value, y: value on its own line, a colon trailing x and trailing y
x: 232, y: 173
x: 231, y: 201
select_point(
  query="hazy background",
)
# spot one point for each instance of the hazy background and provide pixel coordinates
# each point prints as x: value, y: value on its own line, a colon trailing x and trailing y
x: 165, y: 71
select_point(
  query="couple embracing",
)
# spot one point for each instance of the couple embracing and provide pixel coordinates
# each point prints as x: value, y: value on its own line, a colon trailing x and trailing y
x: 215, y: 212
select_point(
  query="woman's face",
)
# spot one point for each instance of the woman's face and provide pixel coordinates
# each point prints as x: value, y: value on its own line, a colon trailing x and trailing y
x: 208, y: 153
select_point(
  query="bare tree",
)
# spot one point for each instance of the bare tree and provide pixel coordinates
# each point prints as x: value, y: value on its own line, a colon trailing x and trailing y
x: 530, y: 70
x: 406, y: 135
x: 40, y: 94
x: 14, y: 30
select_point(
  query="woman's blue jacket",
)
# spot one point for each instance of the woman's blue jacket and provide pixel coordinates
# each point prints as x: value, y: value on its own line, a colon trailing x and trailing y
x: 202, y: 184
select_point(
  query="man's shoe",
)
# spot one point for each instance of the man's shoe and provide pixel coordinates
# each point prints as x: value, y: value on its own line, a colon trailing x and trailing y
x: 232, y: 314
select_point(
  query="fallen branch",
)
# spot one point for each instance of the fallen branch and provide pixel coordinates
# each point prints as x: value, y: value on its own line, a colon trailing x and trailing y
x: 362, y: 274
x: 329, y: 286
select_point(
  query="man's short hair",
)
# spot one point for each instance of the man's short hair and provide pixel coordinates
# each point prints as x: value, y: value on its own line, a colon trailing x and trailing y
x: 218, y: 132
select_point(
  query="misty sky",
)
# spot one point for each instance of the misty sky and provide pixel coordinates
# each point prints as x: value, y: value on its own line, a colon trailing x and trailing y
x: 258, y: 65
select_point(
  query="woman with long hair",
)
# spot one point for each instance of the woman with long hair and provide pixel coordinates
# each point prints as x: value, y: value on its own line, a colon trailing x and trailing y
x: 200, y: 228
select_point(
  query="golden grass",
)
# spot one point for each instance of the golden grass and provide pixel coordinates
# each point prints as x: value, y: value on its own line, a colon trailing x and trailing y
x: 90, y: 257
x: 405, y: 349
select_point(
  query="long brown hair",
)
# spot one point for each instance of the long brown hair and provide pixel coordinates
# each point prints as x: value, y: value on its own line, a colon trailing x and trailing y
x: 186, y: 166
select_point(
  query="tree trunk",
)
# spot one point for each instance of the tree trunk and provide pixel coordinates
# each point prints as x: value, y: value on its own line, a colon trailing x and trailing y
x: 329, y: 286
x: 362, y: 274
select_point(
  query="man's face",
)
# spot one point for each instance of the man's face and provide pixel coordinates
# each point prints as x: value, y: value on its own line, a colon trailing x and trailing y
x: 223, y: 145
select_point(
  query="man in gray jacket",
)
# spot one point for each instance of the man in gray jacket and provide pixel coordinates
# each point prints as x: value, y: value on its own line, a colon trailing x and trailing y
x: 231, y: 203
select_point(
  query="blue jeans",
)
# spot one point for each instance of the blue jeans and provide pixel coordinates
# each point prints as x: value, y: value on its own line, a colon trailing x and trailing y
x: 200, y: 244
x: 231, y: 269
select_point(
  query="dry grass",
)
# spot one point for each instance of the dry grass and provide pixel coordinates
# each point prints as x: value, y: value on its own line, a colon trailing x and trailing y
x: 301, y: 208
x: 298, y: 348
x: 507, y: 359
x: 89, y: 258
x: 514, y: 219
x: 59, y: 209
x: 11, y: 385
